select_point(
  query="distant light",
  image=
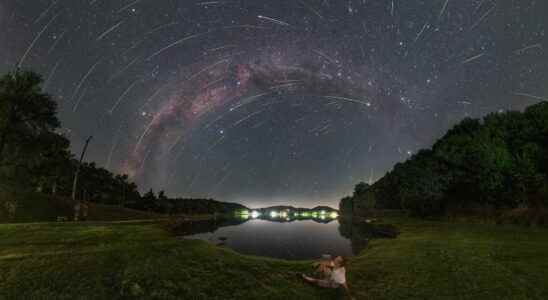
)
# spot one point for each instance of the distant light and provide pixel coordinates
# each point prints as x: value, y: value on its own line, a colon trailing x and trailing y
x: 274, y: 214
x: 255, y: 214
x: 322, y: 217
x: 322, y: 212
x: 334, y: 215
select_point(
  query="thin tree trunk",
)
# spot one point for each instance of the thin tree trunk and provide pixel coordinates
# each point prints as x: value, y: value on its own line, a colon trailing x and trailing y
x: 54, y: 188
x: 78, y: 205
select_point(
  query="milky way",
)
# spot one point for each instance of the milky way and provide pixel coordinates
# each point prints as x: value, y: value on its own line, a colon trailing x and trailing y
x: 266, y: 102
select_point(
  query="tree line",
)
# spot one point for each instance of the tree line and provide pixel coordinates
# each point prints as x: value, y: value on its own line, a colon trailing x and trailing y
x: 498, y: 162
x: 35, y: 156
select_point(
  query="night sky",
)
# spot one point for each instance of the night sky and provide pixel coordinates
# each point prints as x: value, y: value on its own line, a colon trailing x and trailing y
x: 269, y: 102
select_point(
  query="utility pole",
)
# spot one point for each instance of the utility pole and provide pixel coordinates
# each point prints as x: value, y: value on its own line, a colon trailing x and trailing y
x: 75, y: 182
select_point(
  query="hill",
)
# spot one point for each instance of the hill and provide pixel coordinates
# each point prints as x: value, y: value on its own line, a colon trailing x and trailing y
x: 296, y: 209
x: 497, y: 163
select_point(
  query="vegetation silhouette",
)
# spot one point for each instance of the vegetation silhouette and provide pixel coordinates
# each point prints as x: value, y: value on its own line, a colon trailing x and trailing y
x: 35, y: 158
x: 497, y: 163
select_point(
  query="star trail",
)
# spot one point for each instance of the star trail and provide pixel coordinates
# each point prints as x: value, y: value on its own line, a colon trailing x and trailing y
x: 267, y: 102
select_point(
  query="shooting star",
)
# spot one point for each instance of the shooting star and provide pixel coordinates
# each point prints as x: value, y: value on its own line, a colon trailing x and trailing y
x: 210, y: 67
x: 163, y: 26
x: 478, y: 22
x: 123, y: 96
x: 147, y: 129
x: 247, y: 117
x: 24, y: 57
x: 443, y: 8
x: 79, y: 86
x: 174, y: 44
x: 115, y: 144
x: 209, y: 3
x: 45, y: 12
x: 368, y: 104
x: 52, y: 73
x: 248, y: 100
x: 122, y: 70
x: 531, y: 96
x: 104, y: 34
x: 75, y: 107
x: 57, y: 41
x: 522, y: 50
x: 471, y: 59
x: 275, y: 21
x: 219, y: 141
x: 421, y: 32
x: 328, y: 58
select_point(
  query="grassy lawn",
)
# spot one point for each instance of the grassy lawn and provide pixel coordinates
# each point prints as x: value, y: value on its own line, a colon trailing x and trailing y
x: 429, y: 260
x: 35, y: 207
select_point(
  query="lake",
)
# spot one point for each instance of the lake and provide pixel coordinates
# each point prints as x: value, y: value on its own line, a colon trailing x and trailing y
x: 288, y: 239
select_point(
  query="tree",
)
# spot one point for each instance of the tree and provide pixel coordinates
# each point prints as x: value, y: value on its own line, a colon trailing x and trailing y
x: 346, y: 206
x: 500, y: 162
x: 148, y: 202
x: 27, y: 125
x: 361, y: 189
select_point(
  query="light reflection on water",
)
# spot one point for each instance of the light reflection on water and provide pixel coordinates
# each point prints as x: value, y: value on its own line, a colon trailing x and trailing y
x: 301, y: 239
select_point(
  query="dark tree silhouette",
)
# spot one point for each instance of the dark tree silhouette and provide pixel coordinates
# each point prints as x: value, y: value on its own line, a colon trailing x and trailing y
x: 28, y: 123
x: 500, y: 162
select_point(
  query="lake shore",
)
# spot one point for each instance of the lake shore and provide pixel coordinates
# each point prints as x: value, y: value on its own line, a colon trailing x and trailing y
x: 114, y: 260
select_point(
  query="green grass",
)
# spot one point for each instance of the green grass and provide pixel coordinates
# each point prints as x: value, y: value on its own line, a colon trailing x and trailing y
x: 36, y: 207
x: 127, y: 260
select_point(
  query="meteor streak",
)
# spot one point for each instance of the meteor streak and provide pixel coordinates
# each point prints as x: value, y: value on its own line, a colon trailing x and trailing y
x: 123, y: 96
x: 104, y: 34
x: 22, y: 60
x: 531, y: 96
x: 79, y: 86
x: 275, y: 21
x: 174, y: 44
x: 471, y: 59
x: 522, y: 50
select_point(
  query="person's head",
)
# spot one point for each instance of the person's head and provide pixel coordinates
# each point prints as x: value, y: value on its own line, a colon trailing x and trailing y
x: 340, y: 261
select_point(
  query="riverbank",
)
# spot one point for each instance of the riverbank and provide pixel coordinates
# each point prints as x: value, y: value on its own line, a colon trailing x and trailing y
x: 429, y: 260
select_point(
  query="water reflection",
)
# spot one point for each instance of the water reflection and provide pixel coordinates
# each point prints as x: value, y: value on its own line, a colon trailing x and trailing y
x: 285, y: 237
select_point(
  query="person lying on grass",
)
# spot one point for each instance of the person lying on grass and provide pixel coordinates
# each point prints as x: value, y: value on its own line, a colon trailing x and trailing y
x: 332, y: 274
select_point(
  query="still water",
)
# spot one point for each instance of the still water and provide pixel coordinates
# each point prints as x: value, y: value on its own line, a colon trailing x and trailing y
x: 294, y: 240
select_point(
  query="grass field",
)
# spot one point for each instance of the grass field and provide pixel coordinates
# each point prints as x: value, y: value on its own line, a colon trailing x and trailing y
x: 126, y: 260
x: 35, y: 207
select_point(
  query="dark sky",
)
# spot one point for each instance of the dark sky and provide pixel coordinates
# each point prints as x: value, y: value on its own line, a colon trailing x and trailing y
x: 281, y: 101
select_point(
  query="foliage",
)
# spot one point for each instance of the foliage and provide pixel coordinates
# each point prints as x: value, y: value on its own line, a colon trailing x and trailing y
x: 28, y: 123
x: 498, y: 162
x: 35, y: 157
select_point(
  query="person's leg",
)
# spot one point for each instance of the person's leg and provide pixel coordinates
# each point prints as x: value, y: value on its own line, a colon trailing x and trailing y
x: 309, y: 279
x: 324, y: 283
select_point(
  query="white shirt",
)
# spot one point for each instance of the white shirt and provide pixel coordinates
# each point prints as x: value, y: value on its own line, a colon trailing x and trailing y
x: 338, y: 275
